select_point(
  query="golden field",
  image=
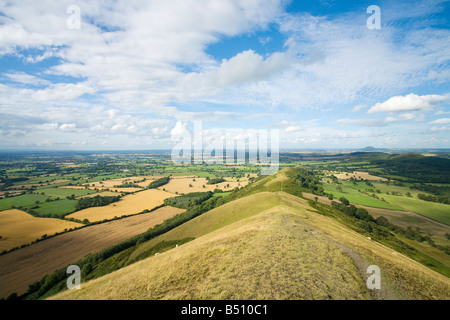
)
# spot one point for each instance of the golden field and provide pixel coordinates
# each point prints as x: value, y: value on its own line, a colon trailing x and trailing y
x: 181, y: 185
x: 358, y: 175
x: 18, y: 228
x: 117, y: 182
x: 20, y: 268
x: 128, y: 205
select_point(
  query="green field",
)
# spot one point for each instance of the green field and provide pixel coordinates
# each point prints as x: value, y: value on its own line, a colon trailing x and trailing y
x: 436, y: 211
x: 26, y: 200
x: 356, y: 197
x: 222, y: 194
x: 62, y: 193
x: 56, y: 209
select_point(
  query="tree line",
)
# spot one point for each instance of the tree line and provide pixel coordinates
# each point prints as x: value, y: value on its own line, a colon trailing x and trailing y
x: 186, y: 201
x: 96, y: 201
x: 158, y: 183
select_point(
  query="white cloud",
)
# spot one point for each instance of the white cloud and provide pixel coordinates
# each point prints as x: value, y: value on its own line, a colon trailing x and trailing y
x: 441, y: 121
x: 179, y: 131
x: 48, y: 126
x: 62, y: 91
x: 249, y: 66
x: 142, y: 58
x: 410, y: 102
x: 358, y: 107
x: 67, y: 126
x: 24, y: 78
x: 292, y: 129
x: 365, y: 122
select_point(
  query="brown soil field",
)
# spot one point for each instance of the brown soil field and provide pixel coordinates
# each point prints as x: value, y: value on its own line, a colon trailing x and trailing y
x: 358, y: 175
x: 181, y: 185
x: 128, y: 205
x: 20, y: 268
x: 18, y: 228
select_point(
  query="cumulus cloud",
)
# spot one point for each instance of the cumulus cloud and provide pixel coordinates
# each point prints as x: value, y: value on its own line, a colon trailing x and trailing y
x: 134, y: 65
x: 179, y: 131
x: 410, y: 102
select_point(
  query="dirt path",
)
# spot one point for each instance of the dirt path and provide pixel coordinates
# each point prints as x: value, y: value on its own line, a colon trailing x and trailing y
x: 385, y: 292
x: 20, y: 268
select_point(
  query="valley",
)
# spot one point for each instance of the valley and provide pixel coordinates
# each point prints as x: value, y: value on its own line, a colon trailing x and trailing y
x: 214, y: 232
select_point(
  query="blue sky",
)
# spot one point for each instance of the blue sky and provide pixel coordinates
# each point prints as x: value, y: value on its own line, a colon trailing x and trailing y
x: 137, y: 73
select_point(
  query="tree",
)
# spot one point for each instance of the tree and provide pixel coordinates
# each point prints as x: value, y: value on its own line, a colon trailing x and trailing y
x: 344, y: 201
x: 382, y: 221
x: 316, y: 198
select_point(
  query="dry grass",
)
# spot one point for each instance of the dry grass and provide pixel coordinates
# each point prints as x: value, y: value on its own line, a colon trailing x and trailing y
x: 18, y: 228
x: 115, y: 182
x: 358, y: 175
x: 284, y: 252
x: 216, y: 219
x: 128, y: 205
x: 279, y: 179
x: 20, y: 268
x: 130, y: 190
x: 268, y: 256
x: 181, y: 185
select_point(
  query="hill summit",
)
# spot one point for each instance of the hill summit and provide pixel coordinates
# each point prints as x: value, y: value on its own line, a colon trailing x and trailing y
x: 268, y: 243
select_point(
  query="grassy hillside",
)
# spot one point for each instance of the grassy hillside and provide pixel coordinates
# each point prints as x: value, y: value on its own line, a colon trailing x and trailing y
x: 267, y: 244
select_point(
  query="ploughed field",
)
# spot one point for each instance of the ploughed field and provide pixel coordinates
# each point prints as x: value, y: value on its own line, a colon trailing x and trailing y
x: 20, y: 268
x: 18, y: 228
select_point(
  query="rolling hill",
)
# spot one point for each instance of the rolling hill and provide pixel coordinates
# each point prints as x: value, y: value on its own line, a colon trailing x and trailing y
x: 268, y: 243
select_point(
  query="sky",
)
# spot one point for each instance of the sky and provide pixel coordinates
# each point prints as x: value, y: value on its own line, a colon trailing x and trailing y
x: 135, y: 75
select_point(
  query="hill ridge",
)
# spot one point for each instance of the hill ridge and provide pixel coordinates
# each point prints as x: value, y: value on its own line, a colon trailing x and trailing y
x: 282, y: 242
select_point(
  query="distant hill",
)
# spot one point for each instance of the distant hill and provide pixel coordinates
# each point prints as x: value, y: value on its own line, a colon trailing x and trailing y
x: 372, y: 149
x: 266, y: 244
x: 417, y: 167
